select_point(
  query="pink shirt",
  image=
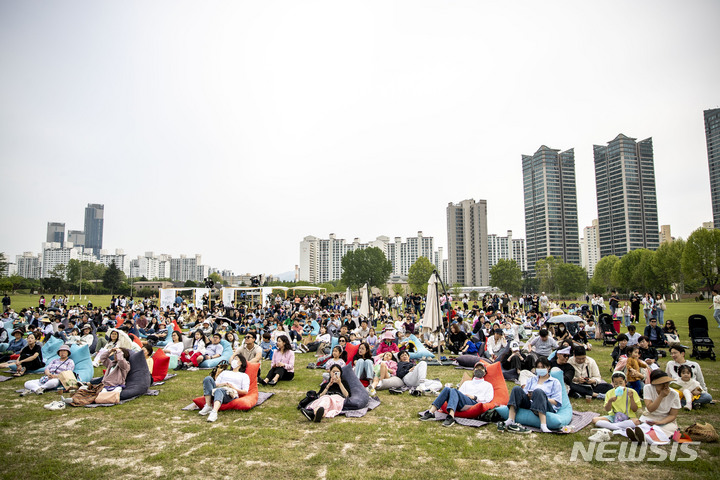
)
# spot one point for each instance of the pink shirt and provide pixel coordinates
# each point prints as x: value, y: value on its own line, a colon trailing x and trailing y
x: 287, y: 359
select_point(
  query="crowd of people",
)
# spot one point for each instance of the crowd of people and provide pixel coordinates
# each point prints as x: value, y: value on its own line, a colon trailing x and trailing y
x: 519, y: 334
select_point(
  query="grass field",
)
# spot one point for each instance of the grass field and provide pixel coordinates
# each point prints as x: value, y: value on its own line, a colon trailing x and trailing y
x: 152, y: 437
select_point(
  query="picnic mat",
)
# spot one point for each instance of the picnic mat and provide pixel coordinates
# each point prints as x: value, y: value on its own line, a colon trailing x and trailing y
x: 373, y: 403
x: 579, y: 421
x: 262, y: 396
x: 151, y: 393
x: 439, y: 363
x: 167, y: 377
x: 3, y: 378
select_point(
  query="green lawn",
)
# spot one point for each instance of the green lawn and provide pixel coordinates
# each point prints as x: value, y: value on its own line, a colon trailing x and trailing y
x: 152, y: 437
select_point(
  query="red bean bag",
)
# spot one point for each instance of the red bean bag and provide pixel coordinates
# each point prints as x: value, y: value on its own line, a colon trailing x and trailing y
x: 161, y: 362
x: 243, y: 403
x: 136, y: 340
x: 494, y: 375
x: 351, y: 352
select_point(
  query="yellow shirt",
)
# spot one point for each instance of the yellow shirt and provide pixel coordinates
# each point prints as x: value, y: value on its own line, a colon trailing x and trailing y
x: 619, y: 404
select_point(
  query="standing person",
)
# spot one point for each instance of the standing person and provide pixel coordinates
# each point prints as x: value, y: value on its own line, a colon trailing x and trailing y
x: 544, y: 303
x: 635, y: 306
x: 6, y: 303
x: 647, y: 303
x: 282, y: 366
x: 614, y: 302
x: 660, y: 309
x: 716, y: 306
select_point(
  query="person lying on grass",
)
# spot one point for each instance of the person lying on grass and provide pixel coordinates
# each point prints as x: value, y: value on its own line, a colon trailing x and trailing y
x: 470, y: 392
x: 385, y: 367
x: 331, y: 398
x: 224, y: 386
x: 541, y: 394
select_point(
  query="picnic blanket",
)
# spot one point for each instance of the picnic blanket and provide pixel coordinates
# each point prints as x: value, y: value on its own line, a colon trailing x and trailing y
x: 579, y: 421
x: 3, y: 378
x: 167, y: 377
x: 151, y: 393
x: 262, y: 396
x: 439, y: 363
x: 373, y: 403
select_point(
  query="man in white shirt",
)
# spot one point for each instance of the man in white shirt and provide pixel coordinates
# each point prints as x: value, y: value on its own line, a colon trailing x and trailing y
x: 716, y: 306
x: 229, y: 385
x: 470, y: 393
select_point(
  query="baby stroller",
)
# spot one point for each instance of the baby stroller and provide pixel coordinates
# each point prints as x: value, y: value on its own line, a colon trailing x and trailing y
x: 702, y: 344
x: 608, y: 330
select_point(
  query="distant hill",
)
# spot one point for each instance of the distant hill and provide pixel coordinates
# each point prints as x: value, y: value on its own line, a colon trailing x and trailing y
x: 286, y: 276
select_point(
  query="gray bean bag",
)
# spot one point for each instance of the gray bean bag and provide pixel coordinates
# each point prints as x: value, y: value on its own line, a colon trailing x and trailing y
x: 138, y: 379
x: 359, y: 397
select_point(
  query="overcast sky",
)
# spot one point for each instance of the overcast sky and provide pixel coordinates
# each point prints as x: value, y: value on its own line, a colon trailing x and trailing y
x: 233, y: 129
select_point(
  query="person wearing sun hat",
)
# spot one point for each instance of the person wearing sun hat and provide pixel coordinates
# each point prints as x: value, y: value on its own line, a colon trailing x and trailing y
x: 662, y: 405
x: 50, y: 378
x: 386, y: 343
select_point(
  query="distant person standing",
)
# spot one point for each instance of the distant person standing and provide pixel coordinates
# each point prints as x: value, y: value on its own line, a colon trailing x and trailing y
x: 635, y: 306
x: 6, y: 303
x: 716, y: 306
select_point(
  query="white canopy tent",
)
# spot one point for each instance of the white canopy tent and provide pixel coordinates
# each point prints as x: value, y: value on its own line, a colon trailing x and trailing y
x: 432, y: 321
x: 168, y: 295
x: 228, y: 293
x: 348, y: 297
x: 364, y: 302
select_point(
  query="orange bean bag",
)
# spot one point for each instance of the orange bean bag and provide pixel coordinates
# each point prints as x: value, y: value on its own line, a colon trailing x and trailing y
x: 176, y: 327
x: 161, y: 362
x: 243, y: 403
x: 495, y: 377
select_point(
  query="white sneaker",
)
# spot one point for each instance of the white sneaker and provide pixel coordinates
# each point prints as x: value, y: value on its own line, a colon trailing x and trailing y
x: 192, y: 369
x: 372, y: 392
x: 212, y: 416
x: 58, y: 405
x: 205, y: 410
x: 601, y: 435
x: 39, y: 391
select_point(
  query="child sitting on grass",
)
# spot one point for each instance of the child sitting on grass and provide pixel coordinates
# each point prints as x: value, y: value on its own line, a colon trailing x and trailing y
x: 267, y: 346
x: 687, y: 387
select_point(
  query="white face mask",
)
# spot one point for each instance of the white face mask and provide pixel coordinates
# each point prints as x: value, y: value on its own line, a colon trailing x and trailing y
x: 235, y: 364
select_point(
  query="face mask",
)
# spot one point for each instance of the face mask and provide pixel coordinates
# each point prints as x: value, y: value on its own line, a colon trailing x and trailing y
x: 235, y: 363
x: 541, y: 372
x: 479, y: 373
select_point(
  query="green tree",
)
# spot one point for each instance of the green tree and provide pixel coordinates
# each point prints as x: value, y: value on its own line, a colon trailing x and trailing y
x: 86, y: 270
x: 570, y: 279
x: 667, y: 266
x: 601, y: 281
x: 530, y: 284
x: 112, y: 278
x: 365, y: 266
x: 474, y: 295
x: 419, y: 274
x: 398, y: 289
x: 507, y: 276
x: 5, y: 285
x: 634, y: 271
x: 58, y: 271
x: 701, y: 256
x: 189, y: 283
x: 455, y: 290
x: 16, y: 281
x: 544, y: 271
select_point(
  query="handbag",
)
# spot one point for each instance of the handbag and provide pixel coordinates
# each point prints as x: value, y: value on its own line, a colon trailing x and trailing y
x: 109, y: 397
x: 310, y: 397
x: 702, y: 432
x: 67, y: 379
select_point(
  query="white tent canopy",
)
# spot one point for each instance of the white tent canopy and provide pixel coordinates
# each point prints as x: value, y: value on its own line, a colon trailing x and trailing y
x: 348, y: 297
x: 168, y: 295
x: 364, y: 302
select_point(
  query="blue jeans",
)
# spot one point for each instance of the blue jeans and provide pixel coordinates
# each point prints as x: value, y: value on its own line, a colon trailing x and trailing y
x: 364, y: 367
x: 219, y: 395
x: 627, y: 320
x: 455, y: 400
x: 716, y: 316
x: 538, y: 403
x: 660, y: 314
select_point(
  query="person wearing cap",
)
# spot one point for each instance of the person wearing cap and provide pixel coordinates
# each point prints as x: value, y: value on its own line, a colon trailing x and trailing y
x: 50, y: 379
x: 469, y: 393
x: 542, y: 393
x: 560, y: 360
x: 516, y: 359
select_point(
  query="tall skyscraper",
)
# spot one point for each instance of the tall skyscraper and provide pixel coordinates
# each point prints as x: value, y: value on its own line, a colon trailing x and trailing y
x: 76, y: 237
x: 56, y: 233
x: 626, y: 198
x: 590, y: 248
x: 468, y: 262
x: 712, y: 137
x: 94, y: 214
x: 551, y: 221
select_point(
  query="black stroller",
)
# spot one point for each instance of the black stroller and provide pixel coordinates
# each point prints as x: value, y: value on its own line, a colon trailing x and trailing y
x: 702, y: 344
x: 608, y: 330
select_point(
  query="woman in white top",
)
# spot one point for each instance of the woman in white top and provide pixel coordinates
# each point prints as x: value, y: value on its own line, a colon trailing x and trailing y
x: 662, y: 405
x: 224, y: 386
x: 175, y: 346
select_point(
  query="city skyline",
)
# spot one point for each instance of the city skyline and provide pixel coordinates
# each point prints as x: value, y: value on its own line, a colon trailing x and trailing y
x: 236, y: 107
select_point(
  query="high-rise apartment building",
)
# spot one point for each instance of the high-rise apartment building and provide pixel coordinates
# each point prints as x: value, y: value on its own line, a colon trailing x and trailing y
x: 626, y: 196
x: 551, y: 221
x: 29, y: 265
x: 468, y: 262
x: 712, y: 138
x: 590, y: 248
x: 54, y: 254
x: 76, y: 237
x: 119, y: 257
x: 150, y: 266
x: 55, y: 233
x: 507, y: 248
x: 665, y: 234
x: 94, y: 215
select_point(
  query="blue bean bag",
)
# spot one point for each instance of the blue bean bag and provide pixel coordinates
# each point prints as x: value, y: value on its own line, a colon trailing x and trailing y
x: 164, y: 343
x: 226, y: 354
x: 315, y: 328
x: 80, y: 355
x: 359, y: 397
x: 138, y: 379
x: 49, y: 353
x: 555, y: 421
x: 420, y: 350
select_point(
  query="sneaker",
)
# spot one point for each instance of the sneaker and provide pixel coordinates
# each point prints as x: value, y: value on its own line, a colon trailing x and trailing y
x: 395, y: 391
x: 449, y: 421
x: 415, y: 392
x: 631, y: 434
x: 66, y: 401
x: 24, y: 392
x: 601, y: 435
x: 501, y: 427
x: 55, y: 406
x: 639, y: 435
x: 372, y: 391
x: 206, y: 410
x: 192, y: 369
x: 319, y: 414
x: 309, y: 414
x: 427, y: 416
x: 39, y: 391
x: 515, y: 428
x: 212, y: 416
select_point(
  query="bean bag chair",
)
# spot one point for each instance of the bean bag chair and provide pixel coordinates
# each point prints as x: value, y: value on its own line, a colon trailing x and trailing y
x: 315, y: 328
x: 359, y: 397
x: 135, y: 339
x: 555, y: 420
x: 468, y: 361
x: 93, y: 345
x: 49, y: 353
x: 4, y: 346
x: 243, y: 403
x: 226, y: 354
x: 175, y: 326
x: 187, y: 342
x: 80, y: 354
x: 174, y: 359
x: 350, y: 349
x: 420, y: 350
x: 501, y: 395
x: 163, y: 343
x: 161, y: 363
x: 138, y: 379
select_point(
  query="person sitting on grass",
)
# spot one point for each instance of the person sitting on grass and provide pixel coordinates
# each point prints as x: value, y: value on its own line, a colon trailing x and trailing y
x: 331, y: 398
x: 385, y: 367
x: 282, y: 366
x: 50, y: 379
x: 456, y: 340
x: 541, y: 394
x: 662, y: 405
x: 459, y: 399
x: 175, y: 346
x: 623, y: 404
x: 655, y: 334
x: 364, y: 365
x: 620, y: 349
x: 677, y: 352
x: 648, y: 353
x: 495, y: 344
x: 687, y: 387
x: 193, y: 355
x: 387, y: 344
x: 30, y: 357
x: 148, y: 351
x: 587, y: 381
x: 223, y: 386
x: 635, y: 369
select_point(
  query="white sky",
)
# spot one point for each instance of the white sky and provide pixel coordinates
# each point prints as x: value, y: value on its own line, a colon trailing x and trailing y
x: 234, y: 129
